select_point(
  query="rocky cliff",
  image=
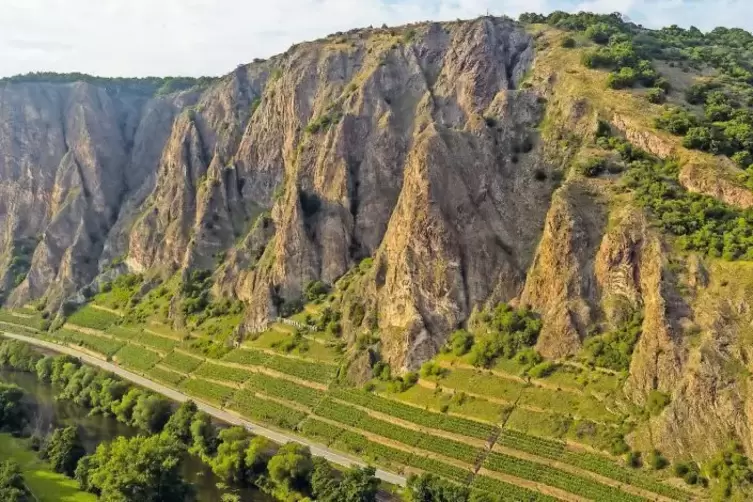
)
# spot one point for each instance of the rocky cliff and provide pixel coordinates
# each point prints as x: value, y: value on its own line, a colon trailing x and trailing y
x: 441, y: 151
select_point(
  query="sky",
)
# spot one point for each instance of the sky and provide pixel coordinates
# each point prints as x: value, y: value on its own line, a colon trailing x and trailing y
x: 211, y: 37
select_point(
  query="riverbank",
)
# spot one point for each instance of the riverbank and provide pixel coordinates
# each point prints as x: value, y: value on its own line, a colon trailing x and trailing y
x: 46, y: 484
x: 220, y: 414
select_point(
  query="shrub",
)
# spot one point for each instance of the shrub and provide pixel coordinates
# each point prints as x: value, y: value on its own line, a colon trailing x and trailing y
x: 600, y: 32
x: 657, y: 461
x: 622, y: 79
x: 591, y: 167
x: 676, y: 120
x: 656, y: 96
x: 542, y: 370
x: 568, y: 43
x: 656, y: 402
x: 461, y: 342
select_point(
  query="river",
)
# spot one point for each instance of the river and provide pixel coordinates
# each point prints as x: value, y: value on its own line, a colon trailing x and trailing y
x: 49, y: 413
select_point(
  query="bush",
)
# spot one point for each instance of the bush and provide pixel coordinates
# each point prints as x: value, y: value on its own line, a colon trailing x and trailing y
x: 633, y: 459
x: 568, y: 43
x: 542, y: 370
x: 676, y: 120
x: 657, y: 461
x: 656, y: 96
x: 656, y: 402
x: 622, y: 79
x: 600, y: 33
x: 460, y: 342
x: 591, y: 167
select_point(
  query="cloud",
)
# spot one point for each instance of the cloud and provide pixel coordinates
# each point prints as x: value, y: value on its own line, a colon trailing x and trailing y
x: 210, y: 37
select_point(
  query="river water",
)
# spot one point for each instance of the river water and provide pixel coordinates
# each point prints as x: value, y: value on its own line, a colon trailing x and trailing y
x: 49, y: 413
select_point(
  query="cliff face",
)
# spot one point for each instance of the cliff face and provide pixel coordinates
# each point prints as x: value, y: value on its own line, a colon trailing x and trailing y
x: 440, y: 151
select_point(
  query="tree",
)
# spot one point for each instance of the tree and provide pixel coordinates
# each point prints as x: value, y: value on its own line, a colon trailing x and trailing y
x: 179, y: 424
x: 461, y: 342
x: 64, y: 450
x: 13, y: 412
x: 291, y: 466
x: 12, y: 485
x: 151, y: 412
x: 230, y: 462
x: 260, y: 451
x: 203, y: 436
x: 123, y: 410
x: 140, y: 469
x: 430, y: 488
x: 43, y: 368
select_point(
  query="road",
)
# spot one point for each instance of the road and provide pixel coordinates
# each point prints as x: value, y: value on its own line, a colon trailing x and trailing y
x: 218, y: 413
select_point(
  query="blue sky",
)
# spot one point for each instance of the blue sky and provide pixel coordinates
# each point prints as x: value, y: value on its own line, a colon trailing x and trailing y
x: 211, y: 37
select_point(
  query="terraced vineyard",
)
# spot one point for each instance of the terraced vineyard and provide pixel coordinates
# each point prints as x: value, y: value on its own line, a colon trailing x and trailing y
x: 101, y: 345
x: 208, y: 391
x: 21, y: 318
x: 136, y: 358
x: 181, y: 362
x: 224, y: 373
x: 302, y: 399
x: 94, y: 318
x: 284, y: 389
x: 550, y: 476
x: 266, y: 411
x: 166, y: 376
x: 141, y: 337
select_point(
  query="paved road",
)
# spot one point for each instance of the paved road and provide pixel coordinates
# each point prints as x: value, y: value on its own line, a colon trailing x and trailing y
x: 280, y: 438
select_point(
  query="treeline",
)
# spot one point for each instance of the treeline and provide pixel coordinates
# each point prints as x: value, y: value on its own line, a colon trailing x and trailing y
x: 148, y: 467
x: 146, y: 86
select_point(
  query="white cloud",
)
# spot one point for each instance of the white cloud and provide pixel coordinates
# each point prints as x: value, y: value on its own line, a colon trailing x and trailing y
x: 195, y: 37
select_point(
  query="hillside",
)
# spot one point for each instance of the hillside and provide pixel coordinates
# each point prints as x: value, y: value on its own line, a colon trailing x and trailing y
x: 550, y: 218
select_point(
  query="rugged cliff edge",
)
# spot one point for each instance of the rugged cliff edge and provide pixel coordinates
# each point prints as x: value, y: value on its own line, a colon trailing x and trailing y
x: 441, y: 151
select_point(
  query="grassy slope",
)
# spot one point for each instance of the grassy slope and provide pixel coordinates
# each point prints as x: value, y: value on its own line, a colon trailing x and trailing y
x: 45, y: 484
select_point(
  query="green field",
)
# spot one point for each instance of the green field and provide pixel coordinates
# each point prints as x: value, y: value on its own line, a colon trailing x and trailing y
x: 181, y: 362
x: 91, y: 317
x: 141, y: 337
x: 99, y: 344
x: 44, y: 483
x: 24, y: 318
x: 166, y: 376
x: 137, y: 358
x: 208, y: 391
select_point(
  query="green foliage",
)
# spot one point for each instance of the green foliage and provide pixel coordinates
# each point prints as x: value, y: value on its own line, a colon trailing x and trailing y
x: 14, y: 413
x: 194, y: 288
x: 63, y: 450
x: 291, y: 467
x: 568, y: 43
x: 508, y: 332
x: 614, y: 349
x: 591, y: 167
x: 656, y: 460
x: 91, y: 317
x: 690, y: 472
x: 702, y: 223
x: 12, y: 485
x: 676, y: 120
x: 460, y: 342
x: 148, y: 86
x: 230, y: 462
x: 140, y: 468
x: 324, y: 122
x: 179, y: 424
x: 656, y: 402
x: 315, y: 290
x: 656, y: 96
x: 430, y: 488
x: 600, y: 32
x: 732, y: 474
x: 542, y: 369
